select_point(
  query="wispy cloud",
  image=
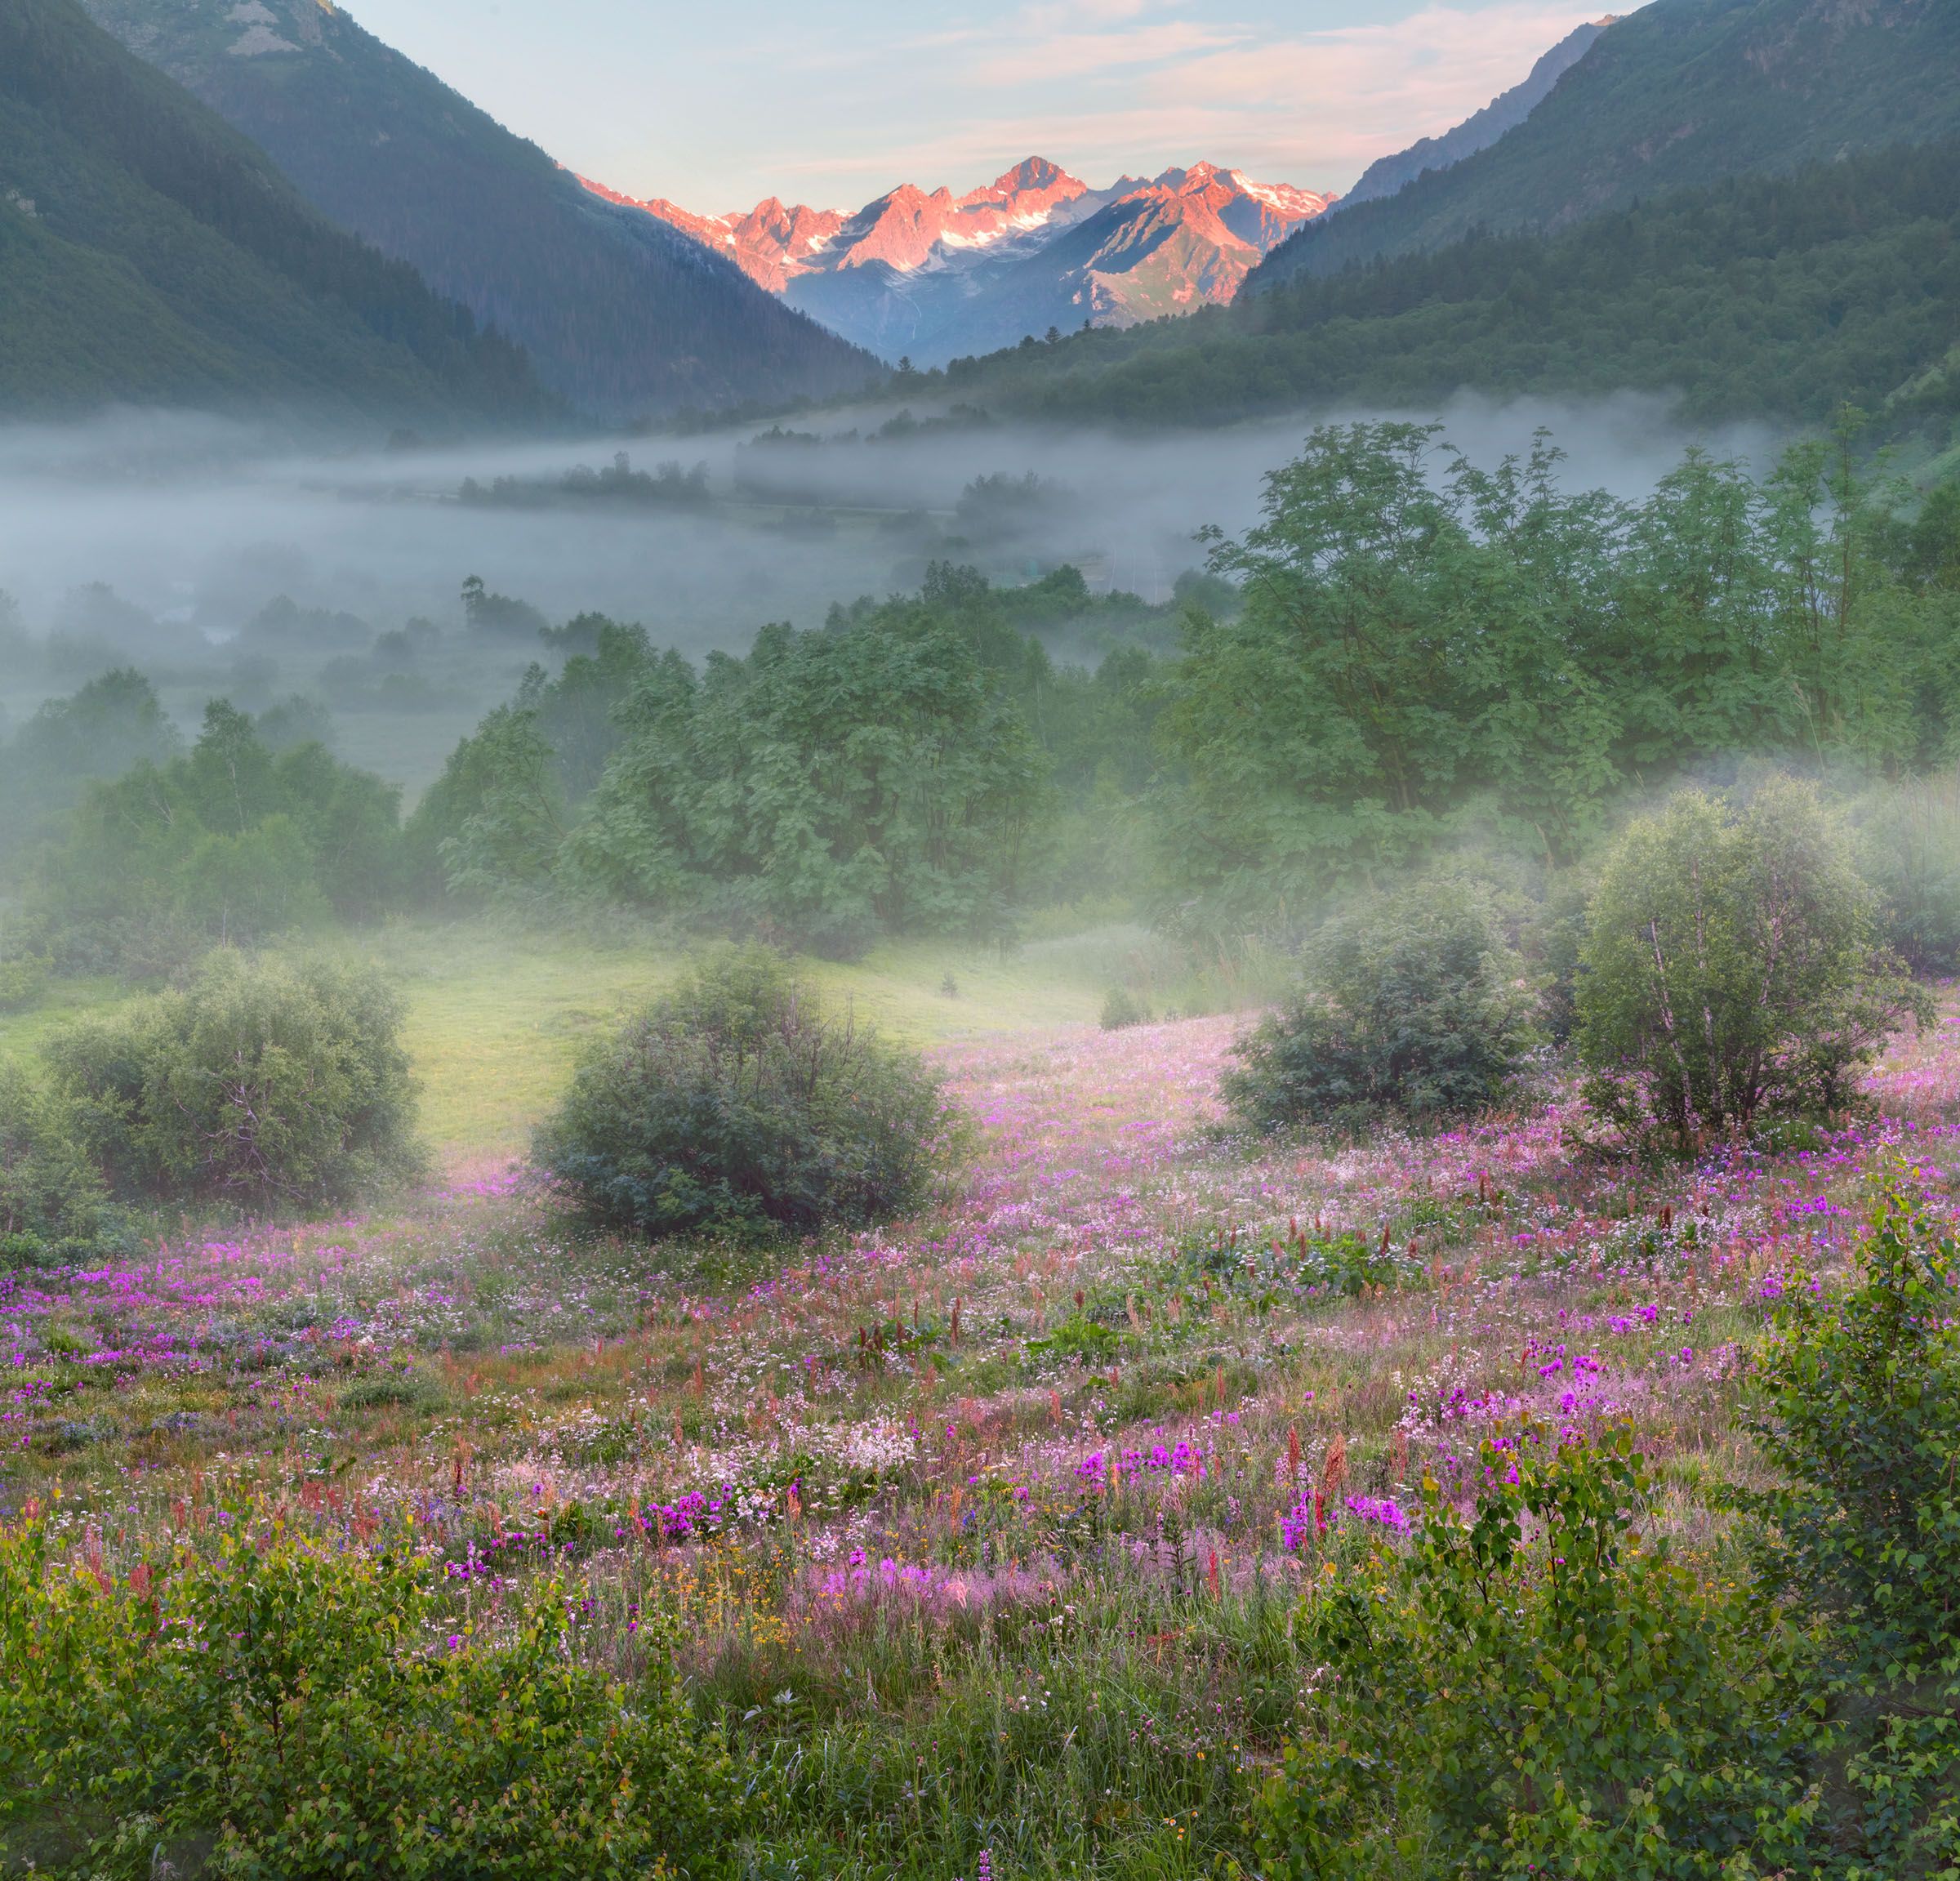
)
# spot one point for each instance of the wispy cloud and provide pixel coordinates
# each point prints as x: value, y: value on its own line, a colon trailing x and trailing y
x: 837, y: 100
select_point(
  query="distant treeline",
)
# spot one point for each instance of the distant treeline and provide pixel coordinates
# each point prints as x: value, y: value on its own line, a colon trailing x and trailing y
x: 1409, y: 655
x: 615, y: 483
x: 1783, y: 295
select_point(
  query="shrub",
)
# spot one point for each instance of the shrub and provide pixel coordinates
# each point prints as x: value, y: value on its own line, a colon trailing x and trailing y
x: 1410, y: 1005
x: 1859, y: 1409
x: 52, y: 1203
x: 23, y: 980
x: 301, y: 1710
x: 1121, y: 1008
x: 1730, y: 969
x: 1538, y: 1689
x: 262, y: 1085
x: 737, y: 1106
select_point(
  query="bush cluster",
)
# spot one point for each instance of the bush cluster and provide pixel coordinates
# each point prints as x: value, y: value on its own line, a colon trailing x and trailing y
x: 53, y: 1203
x: 1728, y: 969
x: 1411, y: 1005
x: 1731, y: 969
x: 261, y: 1087
x: 737, y: 1106
x: 265, y: 1705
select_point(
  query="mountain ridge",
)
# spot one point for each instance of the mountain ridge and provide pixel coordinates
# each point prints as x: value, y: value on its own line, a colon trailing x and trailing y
x: 933, y: 274
x: 624, y: 318
x: 150, y: 254
x: 1480, y: 129
x: 1679, y: 93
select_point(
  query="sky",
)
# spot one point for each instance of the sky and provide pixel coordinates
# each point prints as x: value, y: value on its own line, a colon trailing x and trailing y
x: 833, y: 102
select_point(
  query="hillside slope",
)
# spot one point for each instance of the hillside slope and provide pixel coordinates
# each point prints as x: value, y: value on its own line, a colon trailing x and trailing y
x: 622, y: 314
x: 1779, y: 296
x: 150, y: 254
x: 1682, y: 92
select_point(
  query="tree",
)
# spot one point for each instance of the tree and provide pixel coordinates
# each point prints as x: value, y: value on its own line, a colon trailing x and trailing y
x: 1730, y: 969
x: 230, y: 841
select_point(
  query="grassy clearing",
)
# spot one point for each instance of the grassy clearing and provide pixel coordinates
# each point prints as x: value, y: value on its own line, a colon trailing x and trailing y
x: 496, y: 1015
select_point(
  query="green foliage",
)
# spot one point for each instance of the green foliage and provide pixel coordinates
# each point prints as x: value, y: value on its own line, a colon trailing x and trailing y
x: 1857, y: 1407
x: 114, y: 721
x: 161, y: 258
x: 1538, y: 1687
x: 262, y: 1085
x: 1428, y: 649
x: 872, y: 776
x: 736, y: 1106
x: 53, y: 1205
x: 1121, y: 1008
x: 1730, y: 970
x: 1410, y: 1005
x: 265, y: 1705
x: 24, y: 978
x: 230, y: 839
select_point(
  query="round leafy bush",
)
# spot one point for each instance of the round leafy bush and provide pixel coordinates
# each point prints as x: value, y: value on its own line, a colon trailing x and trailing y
x: 52, y: 1204
x: 1411, y: 1006
x: 1731, y: 971
x: 737, y: 1106
x: 263, y: 1084
x: 1122, y: 1008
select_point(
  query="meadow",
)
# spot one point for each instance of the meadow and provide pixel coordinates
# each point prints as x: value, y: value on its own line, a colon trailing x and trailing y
x: 983, y: 1530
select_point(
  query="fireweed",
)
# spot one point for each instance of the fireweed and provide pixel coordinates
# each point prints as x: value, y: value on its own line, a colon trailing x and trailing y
x: 985, y: 1529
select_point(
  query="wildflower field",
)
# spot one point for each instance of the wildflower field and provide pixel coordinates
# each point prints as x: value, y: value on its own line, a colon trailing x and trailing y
x: 981, y: 1535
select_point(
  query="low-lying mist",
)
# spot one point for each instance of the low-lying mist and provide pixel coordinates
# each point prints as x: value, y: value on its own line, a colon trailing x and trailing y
x: 221, y: 560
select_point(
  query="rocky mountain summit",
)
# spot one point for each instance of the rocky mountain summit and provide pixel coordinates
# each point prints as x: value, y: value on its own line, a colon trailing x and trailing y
x: 930, y: 275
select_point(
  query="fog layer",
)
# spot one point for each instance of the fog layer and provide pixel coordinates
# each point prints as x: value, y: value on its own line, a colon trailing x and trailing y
x: 221, y: 560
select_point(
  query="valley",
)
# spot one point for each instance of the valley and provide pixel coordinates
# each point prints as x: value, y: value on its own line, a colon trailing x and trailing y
x: 1068, y: 1030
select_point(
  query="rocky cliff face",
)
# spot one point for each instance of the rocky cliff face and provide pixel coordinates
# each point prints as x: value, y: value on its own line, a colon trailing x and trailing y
x: 932, y: 275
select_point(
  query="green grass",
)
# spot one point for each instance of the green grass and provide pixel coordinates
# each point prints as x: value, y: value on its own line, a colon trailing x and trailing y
x: 496, y: 1017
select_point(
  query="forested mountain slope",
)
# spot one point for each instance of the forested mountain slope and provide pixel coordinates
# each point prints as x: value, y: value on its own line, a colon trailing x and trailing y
x: 1776, y: 296
x: 622, y: 314
x: 1682, y: 92
x: 150, y: 254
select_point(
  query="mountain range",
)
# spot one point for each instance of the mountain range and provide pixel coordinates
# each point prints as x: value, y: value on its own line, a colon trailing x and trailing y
x: 932, y: 276
x: 1749, y: 208
x: 622, y: 315
x: 150, y: 254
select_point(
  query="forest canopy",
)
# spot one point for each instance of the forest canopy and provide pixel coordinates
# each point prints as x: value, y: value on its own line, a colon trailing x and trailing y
x: 1409, y: 654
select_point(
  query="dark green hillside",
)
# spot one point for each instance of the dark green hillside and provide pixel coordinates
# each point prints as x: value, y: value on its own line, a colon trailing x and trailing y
x: 622, y: 314
x: 148, y: 253
x: 1782, y: 296
x: 1682, y: 92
